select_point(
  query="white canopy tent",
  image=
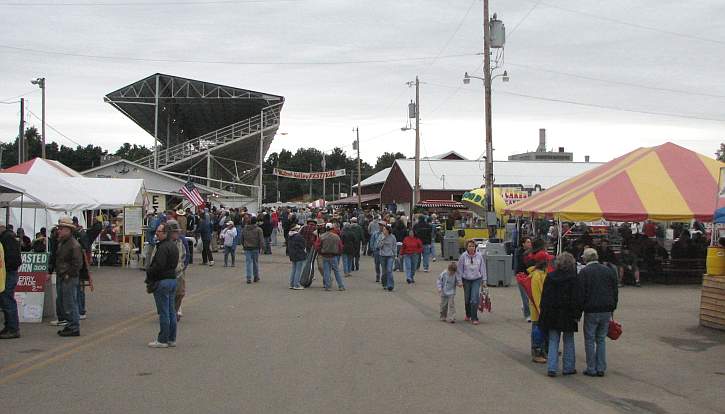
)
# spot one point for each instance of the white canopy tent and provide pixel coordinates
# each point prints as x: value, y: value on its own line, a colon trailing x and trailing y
x: 57, y: 196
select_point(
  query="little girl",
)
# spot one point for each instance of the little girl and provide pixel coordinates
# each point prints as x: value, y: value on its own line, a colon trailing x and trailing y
x: 447, y: 282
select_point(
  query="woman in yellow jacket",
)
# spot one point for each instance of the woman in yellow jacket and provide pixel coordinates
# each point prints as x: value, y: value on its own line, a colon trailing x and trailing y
x: 537, y: 272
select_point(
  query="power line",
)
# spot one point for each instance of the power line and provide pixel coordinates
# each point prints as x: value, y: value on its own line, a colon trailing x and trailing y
x: 6, y: 100
x: 145, y: 3
x: 592, y: 105
x: 231, y: 62
x: 56, y: 131
x: 616, y: 82
x: 523, y: 18
x: 455, y: 32
x: 630, y: 24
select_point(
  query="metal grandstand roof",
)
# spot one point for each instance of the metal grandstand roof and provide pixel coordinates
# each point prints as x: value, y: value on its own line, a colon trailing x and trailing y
x: 187, y: 108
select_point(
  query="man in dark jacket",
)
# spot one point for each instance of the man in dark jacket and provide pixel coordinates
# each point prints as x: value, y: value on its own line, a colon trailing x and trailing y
x: 598, y: 296
x: 357, y: 229
x: 205, y: 234
x: 68, y: 262
x: 252, y: 242
x: 329, y: 246
x: 161, y: 281
x: 297, y: 255
x: 7, y: 297
x: 267, y: 232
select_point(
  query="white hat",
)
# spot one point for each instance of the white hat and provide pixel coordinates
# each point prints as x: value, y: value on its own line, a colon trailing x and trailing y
x: 328, y: 225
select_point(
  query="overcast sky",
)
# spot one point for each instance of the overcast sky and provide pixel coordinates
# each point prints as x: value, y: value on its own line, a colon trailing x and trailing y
x: 341, y: 64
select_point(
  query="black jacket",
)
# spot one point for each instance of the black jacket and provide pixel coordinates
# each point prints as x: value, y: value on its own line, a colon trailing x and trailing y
x: 296, y: 247
x: 266, y: 226
x: 598, y: 290
x: 559, y: 304
x: 349, y: 242
x: 163, y: 264
x: 12, y: 251
x: 423, y: 231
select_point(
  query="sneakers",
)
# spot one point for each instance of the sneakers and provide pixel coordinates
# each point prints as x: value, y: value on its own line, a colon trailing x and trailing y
x: 551, y: 373
x: 58, y: 323
x: 443, y: 319
x: 426, y: 270
x: 467, y: 319
x: 569, y: 373
x: 83, y: 317
x: 211, y: 263
x: 157, y: 344
x: 249, y: 281
x: 10, y: 334
x: 256, y: 279
x: 291, y: 287
x: 637, y: 284
x: 342, y: 289
x: 476, y: 322
x: 539, y: 360
x: 67, y: 332
x: 298, y: 288
x: 528, y: 319
x: 434, y: 259
x: 172, y: 344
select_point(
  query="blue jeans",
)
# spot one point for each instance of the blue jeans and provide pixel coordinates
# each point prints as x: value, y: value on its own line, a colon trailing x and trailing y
x: 238, y: 238
x: 378, y: 265
x: 471, y: 289
x: 229, y: 251
x: 330, y: 263
x: 410, y: 263
x: 432, y: 248
x: 8, y: 303
x: 386, y: 262
x: 524, y: 301
x: 568, y: 355
x: 164, y: 296
x: 296, y: 273
x: 69, y: 293
x: 427, y: 253
x: 251, y: 259
x: 398, y: 266
x: 596, y: 326
x: 347, y: 261
x: 268, y: 244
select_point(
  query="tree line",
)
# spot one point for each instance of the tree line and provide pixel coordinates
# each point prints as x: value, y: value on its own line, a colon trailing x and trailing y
x: 83, y: 158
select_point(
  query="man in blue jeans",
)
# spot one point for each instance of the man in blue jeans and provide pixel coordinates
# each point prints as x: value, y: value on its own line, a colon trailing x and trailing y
x: 329, y: 247
x: 11, y: 250
x: 253, y: 242
x: 598, y: 296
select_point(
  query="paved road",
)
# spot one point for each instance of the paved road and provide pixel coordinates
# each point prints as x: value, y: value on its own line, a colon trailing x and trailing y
x: 264, y: 348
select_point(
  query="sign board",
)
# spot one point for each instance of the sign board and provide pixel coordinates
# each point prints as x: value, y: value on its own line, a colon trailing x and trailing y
x: 30, y: 292
x: 320, y: 175
x: 157, y: 203
x: 132, y: 221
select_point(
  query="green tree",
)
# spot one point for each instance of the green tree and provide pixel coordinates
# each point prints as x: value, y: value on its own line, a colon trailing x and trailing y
x: 132, y: 152
x: 79, y: 159
x: 387, y: 159
x: 720, y: 154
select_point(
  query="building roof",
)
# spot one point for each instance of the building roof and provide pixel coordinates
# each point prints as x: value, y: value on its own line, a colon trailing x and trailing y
x: 364, y: 198
x: 377, y: 178
x: 43, y: 167
x: 118, y: 166
x: 450, y: 155
x: 468, y: 174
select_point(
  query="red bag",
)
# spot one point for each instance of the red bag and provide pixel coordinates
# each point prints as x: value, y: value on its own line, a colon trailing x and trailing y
x: 484, y: 300
x: 525, y: 281
x: 615, y: 330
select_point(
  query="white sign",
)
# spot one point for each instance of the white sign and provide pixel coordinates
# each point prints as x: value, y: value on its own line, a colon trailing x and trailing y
x: 132, y: 221
x: 158, y: 203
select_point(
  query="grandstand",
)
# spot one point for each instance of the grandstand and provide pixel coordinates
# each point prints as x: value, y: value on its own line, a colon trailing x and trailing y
x: 208, y: 132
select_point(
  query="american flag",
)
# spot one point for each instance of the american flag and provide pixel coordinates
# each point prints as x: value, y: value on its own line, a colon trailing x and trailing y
x: 190, y: 191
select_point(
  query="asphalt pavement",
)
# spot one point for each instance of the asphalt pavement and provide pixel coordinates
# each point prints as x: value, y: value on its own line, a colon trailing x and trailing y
x: 263, y: 348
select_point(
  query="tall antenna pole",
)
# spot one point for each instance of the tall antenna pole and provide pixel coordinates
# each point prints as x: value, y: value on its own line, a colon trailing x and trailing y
x: 417, y: 146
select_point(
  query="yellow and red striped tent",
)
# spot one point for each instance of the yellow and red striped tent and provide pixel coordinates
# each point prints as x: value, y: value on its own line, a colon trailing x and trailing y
x: 666, y: 182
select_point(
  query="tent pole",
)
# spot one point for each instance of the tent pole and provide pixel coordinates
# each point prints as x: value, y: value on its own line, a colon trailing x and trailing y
x: 558, y: 250
x: 21, y: 212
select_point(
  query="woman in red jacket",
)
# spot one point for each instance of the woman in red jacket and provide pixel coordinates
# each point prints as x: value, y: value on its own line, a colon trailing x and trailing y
x: 410, y: 251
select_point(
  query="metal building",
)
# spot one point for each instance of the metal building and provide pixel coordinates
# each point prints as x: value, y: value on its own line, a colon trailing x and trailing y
x: 217, y: 135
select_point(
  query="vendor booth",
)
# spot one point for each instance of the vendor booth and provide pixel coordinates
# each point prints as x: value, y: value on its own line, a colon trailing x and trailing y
x: 666, y: 183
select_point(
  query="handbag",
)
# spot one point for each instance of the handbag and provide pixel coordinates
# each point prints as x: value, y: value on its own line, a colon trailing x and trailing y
x: 484, y: 300
x: 615, y: 330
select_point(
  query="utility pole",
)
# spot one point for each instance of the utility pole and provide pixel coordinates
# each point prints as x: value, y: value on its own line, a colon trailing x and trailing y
x: 41, y: 84
x: 417, y: 146
x: 261, y: 158
x: 324, y: 180
x: 277, y: 186
x: 21, y: 134
x: 359, y: 174
x: 490, y: 208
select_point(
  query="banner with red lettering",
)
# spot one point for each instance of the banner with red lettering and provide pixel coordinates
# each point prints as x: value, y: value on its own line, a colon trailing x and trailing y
x: 30, y: 292
x: 320, y: 175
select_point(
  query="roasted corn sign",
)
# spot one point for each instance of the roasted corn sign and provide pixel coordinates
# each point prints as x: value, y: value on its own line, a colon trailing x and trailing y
x: 30, y: 292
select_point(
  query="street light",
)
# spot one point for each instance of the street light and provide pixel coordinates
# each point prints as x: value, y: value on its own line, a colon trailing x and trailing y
x: 504, y: 77
x: 41, y: 84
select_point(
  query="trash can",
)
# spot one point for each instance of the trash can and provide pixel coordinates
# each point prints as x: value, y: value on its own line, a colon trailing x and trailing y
x: 450, y: 245
x: 498, y: 265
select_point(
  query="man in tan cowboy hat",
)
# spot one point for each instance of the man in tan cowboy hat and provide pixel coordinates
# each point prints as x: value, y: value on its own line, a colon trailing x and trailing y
x: 68, y: 262
x: 181, y: 218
